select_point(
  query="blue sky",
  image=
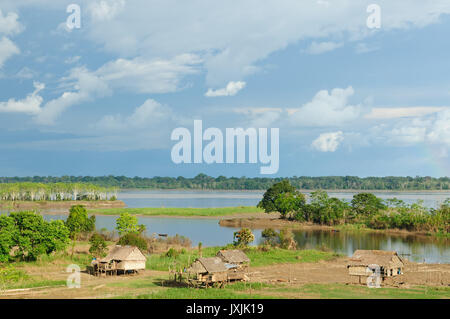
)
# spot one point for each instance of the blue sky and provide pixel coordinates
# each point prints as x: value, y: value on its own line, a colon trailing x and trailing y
x: 103, y: 99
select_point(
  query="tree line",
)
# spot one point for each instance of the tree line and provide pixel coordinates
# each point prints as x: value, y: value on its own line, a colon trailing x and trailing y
x: 202, y: 181
x: 364, y: 209
x: 33, y: 191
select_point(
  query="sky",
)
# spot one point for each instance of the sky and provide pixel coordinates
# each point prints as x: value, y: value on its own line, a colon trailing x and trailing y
x: 354, y: 90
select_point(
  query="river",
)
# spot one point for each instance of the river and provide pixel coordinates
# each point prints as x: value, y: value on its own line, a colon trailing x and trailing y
x: 210, y: 233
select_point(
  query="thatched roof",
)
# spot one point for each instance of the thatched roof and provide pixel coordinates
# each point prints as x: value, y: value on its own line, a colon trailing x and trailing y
x: 234, y: 256
x: 375, y: 257
x: 208, y: 265
x: 124, y: 253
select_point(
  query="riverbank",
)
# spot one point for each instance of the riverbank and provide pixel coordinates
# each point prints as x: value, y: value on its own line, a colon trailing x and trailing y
x: 219, y: 212
x: 59, y: 205
x: 277, y: 223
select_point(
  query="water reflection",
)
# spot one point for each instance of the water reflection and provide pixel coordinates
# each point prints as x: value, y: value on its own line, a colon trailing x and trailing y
x: 210, y: 233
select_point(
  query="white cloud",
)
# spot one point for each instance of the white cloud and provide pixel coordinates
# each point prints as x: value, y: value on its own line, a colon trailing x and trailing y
x: 439, y: 132
x: 137, y: 75
x: 9, y: 24
x: 26, y: 73
x: 105, y: 9
x: 326, y: 109
x: 322, y: 47
x: 145, y: 116
x: 30, y: 105
x: 149, y: 76
x: 378, y: 113
x: 328, y: 142
x: 86, y: 86
x: 231, y: 89
x: 7, y: 50
x: 233, y: 41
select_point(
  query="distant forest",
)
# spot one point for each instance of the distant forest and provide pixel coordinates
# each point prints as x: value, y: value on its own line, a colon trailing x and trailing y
x: 203, y: 181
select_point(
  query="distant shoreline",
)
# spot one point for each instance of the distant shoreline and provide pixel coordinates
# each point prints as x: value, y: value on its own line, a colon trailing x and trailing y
x: 301, y: 190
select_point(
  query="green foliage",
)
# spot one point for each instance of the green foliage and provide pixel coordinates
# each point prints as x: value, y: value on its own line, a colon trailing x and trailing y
x: 98, y: 246
x: 243, y: 237
x: 133, y: 239
x: 32, y: 235
x: 7, y: 235
x: 270, y: 236
x: 78, y: 221
x: 10, y: 275
x: 282, y: 197
x: 367, y: 204
x: 172, y: 253
x: 202, y: 181
x: 127, y: 224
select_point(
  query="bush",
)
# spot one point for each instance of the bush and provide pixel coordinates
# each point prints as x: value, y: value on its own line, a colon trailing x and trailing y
x: 172, y: 253
x: 133, y: 239
x: 98, y: 245
x: 243, y: 237
x: 79, y: 222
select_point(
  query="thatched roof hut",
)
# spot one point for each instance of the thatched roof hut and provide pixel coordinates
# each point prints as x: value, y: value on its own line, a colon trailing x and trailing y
x: 125, y: 258
x: 234, y: 256
x: 390, y: 263
x: 209, y: 265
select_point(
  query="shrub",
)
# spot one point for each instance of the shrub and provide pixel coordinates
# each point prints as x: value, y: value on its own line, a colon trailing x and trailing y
x: 243, y: 237
x: 133, y: 239
x: 98, y: 245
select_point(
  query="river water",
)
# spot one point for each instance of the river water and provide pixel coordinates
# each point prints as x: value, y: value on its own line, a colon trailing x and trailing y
x: 210, y: 233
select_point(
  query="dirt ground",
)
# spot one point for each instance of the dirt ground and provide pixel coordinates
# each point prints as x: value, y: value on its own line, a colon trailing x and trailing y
x: 335, y: 271
x: 324, y: 272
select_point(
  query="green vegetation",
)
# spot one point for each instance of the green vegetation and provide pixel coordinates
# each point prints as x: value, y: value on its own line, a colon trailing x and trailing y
x: 32, y: 191
x: 203, y: 181
x: 210, y: 212
x: 365, y: 208
x: 259, y: 257
x: 31, y: 236
x: 98, y: 246
x: 133, y: 239
x: 243, y: 237
x: 127, y: 224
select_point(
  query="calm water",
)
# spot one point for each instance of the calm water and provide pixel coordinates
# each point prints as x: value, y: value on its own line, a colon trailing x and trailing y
x: 210, y: 233
x: 181, y: 198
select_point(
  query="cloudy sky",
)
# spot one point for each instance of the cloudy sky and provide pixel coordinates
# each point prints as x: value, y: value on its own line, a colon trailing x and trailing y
x: 104, y: 98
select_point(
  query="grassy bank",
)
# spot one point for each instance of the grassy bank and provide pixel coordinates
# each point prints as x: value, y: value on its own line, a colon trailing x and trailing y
x: 284, y: 291
x: 257, y: 257
x: 188, y: 212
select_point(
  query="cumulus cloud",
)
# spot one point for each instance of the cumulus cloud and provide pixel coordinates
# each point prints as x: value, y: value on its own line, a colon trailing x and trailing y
x: 9, y: 23
x: 322, y: 47
x: 30, y: 105
x: 326, y: 109
x: 231, y: 89
x: 328, y: 142
x: 136, y: 75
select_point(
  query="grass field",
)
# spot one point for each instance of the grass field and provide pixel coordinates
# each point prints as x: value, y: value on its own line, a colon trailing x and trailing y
x: 257, y: 257
x: 163, y: 211
x: 156, y: 290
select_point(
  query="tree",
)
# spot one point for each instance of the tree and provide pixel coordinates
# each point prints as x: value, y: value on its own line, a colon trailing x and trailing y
x: 98, y: 245
x: 78, y: 221
x: 270, y: 236
x: 243, y: 237
x: 127, y: 224
x: 367, y: 204
x: 34, y: 236
x: 7, y: 234
x: 282, y: 197
x: 56, y: 236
